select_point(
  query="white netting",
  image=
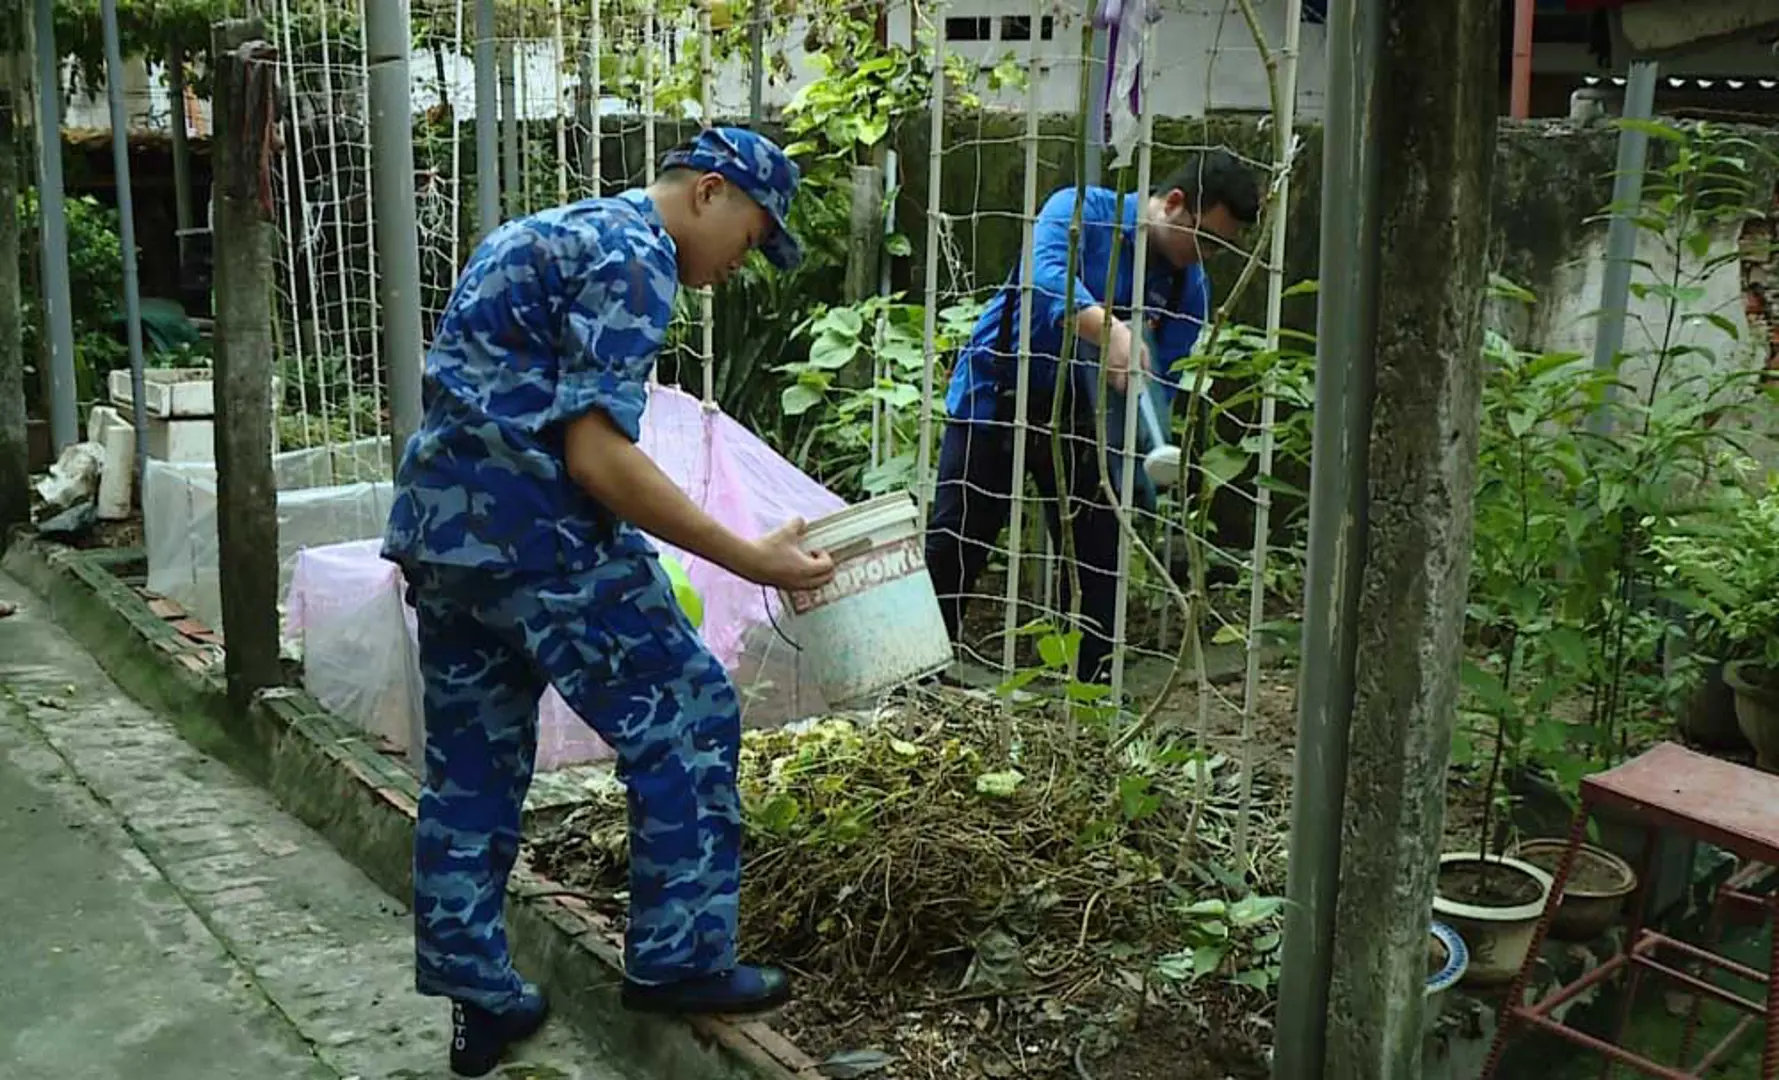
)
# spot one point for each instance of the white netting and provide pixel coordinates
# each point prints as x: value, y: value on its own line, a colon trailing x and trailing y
x: 328, y: 326
x: 843, y: 365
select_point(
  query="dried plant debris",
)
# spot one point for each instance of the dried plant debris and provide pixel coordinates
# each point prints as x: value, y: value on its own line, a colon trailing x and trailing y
x: 966, y: 892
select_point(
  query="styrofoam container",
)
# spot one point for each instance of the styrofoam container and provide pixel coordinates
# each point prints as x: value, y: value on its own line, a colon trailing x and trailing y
x: 167, y: 392
x: 876, y: 625
x: 171, y: 393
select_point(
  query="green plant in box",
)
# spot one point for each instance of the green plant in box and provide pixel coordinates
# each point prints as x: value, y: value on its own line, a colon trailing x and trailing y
x: 1726, y: 566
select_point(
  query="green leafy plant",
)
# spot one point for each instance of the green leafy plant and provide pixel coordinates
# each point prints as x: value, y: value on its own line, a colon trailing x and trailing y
x: 1238, y: 369
x: 1724, y: 567
x: 95, y: 290
x: 865, y: 361
x: 1578, y: 465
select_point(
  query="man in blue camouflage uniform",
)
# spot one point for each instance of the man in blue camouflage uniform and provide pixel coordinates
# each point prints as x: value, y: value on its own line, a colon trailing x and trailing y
x: 519, y: 518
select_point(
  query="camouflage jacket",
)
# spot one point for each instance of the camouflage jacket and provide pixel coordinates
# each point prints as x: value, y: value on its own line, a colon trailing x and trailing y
x: 556, y: 313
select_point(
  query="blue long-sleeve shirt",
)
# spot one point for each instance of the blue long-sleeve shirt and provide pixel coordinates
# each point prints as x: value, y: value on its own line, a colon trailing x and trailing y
x: 1175, y: 309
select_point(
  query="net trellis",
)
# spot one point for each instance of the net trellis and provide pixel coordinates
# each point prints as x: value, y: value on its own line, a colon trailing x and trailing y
x: 328, y: 328
x: 591, y: 92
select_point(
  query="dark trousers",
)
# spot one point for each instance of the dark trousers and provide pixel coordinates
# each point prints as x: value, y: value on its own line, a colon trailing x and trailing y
x: 971, y: 507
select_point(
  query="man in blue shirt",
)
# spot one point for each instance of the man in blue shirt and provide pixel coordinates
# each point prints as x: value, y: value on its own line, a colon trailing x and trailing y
x: 519, y: 518
x: 1207, y: 200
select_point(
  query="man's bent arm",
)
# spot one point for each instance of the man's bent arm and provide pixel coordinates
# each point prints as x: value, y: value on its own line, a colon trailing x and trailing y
x: 615, y: 471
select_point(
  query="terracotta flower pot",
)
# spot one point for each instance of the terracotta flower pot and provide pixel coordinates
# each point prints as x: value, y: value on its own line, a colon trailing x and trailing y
x: 1595, y: 895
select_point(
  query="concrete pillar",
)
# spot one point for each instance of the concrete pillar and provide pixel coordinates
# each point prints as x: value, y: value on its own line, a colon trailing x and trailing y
x: 1435, y: 127
x: 1410, y: 150
x: 15, y: 479
x: 247, y: 506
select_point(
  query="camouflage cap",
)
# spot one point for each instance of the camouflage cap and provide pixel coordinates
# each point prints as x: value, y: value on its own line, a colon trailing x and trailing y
x: 757, y: 166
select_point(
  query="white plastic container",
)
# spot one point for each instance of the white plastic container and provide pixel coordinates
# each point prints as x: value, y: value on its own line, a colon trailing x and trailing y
x: 118, y: 478
x: 167, y: 392
x: 876, y: 625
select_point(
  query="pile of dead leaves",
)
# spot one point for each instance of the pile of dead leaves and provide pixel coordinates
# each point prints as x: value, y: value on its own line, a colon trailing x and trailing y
x: 946, y: 850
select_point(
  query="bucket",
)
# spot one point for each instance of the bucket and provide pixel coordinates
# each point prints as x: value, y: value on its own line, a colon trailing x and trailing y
x: 876, y: 625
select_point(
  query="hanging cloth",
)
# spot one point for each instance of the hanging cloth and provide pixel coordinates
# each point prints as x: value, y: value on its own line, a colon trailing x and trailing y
x: 1118, y: 102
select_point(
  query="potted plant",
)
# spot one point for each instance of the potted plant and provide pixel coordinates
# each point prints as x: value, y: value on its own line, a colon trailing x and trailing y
x: 1726, y: 566
x: 1595, y: 893
x: 1490, y: 897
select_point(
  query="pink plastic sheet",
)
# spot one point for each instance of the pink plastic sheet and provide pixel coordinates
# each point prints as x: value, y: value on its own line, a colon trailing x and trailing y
x: 345, y: 602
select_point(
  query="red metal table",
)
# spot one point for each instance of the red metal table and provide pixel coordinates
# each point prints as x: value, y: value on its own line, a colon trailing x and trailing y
x: 1716, y: 802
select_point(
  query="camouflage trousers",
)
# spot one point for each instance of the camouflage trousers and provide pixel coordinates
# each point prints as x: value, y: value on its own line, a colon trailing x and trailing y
x: 617, y: 647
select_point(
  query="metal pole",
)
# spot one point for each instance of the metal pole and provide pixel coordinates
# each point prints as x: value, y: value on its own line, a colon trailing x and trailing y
x: 52, y: 225
x: 126, y: 226
x: 1520, y: 90
x: 923, y: 454
x: 182, y: 188
x: 707, y: 320
x: 1139, y: 361
x: 1340, y: 461
x: 1284, y: 137
x: 1023, y: 375
x: 1102, y: 73
x: 397, y: 229
x: 1621, y: 233
x: 487, y: 111
x: 756, y: 74
x: 883, y: 443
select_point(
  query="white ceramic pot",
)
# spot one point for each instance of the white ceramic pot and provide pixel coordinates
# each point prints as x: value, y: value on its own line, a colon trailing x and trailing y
x: 1498, y: 937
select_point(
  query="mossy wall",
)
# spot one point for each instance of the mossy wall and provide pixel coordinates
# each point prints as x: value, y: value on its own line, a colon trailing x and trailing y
x: 1551, y: 180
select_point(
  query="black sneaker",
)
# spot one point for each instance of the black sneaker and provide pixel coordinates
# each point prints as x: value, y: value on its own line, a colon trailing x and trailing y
x: 740, y: 991
x: 479, y: 1037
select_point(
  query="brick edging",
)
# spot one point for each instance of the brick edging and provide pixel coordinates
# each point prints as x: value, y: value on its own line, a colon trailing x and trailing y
x: 323, y: 772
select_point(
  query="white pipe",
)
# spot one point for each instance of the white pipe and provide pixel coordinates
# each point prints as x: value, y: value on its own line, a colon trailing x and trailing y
x: 1285, y: 123
x: 561, y: 109
x: 886, y: 416
x: 648, y: 123
x: 455, y: 199
x: 706, y: 303
x: 1022, y: 389
x: 597, y: 155
x: 1139, y: 357
x: 648, y: 94
x: 930, y: 333
x: 522, y: 113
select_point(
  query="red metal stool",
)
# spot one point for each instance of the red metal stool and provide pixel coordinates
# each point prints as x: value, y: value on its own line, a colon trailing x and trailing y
x: 1715, y: 802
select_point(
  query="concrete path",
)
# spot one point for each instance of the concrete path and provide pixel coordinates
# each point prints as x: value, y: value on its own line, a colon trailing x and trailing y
x: 162, y: 919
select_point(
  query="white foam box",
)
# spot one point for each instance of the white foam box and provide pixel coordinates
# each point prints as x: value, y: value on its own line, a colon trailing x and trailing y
x: 172, y: 393
x: 182, y: 440
x: 167, y: 392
